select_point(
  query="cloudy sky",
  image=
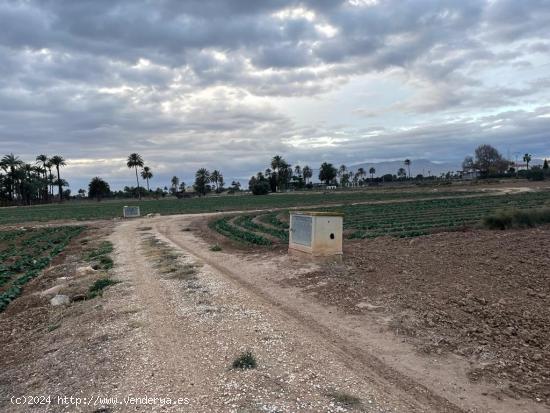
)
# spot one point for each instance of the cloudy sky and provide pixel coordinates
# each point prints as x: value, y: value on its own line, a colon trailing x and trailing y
x: 228, y: 84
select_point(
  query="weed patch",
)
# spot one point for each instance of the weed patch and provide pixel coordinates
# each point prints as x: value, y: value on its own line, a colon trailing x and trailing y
x: 245, y: 361
x: 104, y: 248
x: 98, y: 286
x: 344, y: 399
x: 517, y: 218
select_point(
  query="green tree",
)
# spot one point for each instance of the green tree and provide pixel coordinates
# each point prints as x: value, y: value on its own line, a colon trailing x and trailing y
x: 98, y: 188
x: 202, y: 178
x: 401, y: 173
x: 147, y: 174
x: 342, y: 174
x: 134, y: 161
x: 175, y: 182
x: 235, y: 186
x: 307, y: 173
x: 10, y: 163
x: 280, y: 168
x: 489, y: 160
x: 527, y: 159
x: 258, y: 184
x: 215, y: 178
x: 43, y: 160
x: 327, y: 172
x: 58, y: 161
x: 372, y: 171
x: 545, y: 165
x: 50, y: 175
x: 361, y: 173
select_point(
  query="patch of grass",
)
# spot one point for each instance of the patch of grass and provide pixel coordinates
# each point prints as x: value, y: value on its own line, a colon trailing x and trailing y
x: 104, y: 263
x: 215, y: 247
x: 344, y: 399
x: 245, y: 361
x: 99, y: 285
x: 53, y: 327
x: 104, y: 248
x: 517, y: 218
x: 144, y: 228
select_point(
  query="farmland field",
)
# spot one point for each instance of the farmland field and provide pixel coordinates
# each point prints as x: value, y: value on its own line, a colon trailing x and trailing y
x: 402, y: 219
x: 170, y: 313
x: 25, y: 253
x: 89, y: 210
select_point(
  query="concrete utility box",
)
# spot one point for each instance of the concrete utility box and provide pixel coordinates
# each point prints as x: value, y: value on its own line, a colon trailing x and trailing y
x: 316, y: 233
x: 130, y: 211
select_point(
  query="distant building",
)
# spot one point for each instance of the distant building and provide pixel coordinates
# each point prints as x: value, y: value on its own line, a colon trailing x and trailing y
x: 469, y: 175
x: 519, y: 166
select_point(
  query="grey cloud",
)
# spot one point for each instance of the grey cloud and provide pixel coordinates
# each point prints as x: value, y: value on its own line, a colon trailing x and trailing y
x: 190, y: 82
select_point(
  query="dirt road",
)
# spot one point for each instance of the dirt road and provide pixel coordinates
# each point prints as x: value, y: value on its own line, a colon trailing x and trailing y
x: 310, y: 357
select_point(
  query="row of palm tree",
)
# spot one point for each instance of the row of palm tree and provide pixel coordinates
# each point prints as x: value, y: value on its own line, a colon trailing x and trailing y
x: 22, y: 182
x: 281, y: 172
x: 358, y: 177
x: 135, y: 161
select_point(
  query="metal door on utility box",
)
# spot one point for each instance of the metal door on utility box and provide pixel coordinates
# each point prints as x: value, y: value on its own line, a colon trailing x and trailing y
x: 301, y: 229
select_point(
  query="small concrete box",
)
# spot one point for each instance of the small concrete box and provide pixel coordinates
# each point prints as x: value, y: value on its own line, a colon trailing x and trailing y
x: 316, y: 233
x: 130, y: 211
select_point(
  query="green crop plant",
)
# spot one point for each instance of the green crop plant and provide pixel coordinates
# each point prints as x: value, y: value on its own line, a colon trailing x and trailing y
x: 113, y: 208
x: 25, y: 253
x: 224, y: 227
x: 246, y: 221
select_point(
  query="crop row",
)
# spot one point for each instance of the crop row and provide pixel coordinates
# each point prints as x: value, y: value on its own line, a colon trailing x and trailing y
x: 403, y: 219
x: 85, y: 210
x: 246, y: 221
x: 273, y: 220
x: 26, y: 253
x: 224, y: 227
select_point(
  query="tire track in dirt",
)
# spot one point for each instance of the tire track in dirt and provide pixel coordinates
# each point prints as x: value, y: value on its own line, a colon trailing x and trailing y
x: 161, y: 369
x: 185, y: 350
x: 365, y: 365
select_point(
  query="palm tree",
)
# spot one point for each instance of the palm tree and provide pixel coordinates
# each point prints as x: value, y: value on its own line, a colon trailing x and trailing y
x: 527, y: 159
x: 298, y: 170
x: 147, y: 174
x: 407, y: 163
x: 135, y: 160
x: 9, y: 163
x: 372, y: 171
x: 48, y: 166
x: 202, y: 177
x: 401, y: 172
x: 277, y: 165
x: 307, y: 173
x: 361, y: 172
x: 43, y: 159
x: 175, y: 182
x: 215, y: 178
x: 58, y: 161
